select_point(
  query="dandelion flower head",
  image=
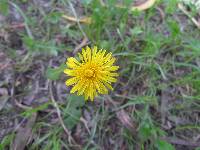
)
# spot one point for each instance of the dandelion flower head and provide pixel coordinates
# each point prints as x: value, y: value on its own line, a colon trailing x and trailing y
x: 92, y: 73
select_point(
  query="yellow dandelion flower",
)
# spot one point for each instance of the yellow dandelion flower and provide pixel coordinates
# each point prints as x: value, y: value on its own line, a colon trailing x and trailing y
x: 92, y: 73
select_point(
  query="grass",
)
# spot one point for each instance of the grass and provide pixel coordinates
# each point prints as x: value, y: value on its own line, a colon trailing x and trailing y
x: 158, y: 88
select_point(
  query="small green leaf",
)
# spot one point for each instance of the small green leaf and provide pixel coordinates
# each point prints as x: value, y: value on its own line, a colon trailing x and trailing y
x: 4, y: 9
x: 73, y: 110
x: 56, y: 143
x: 136, y: 31
x: 41, y: 47
x: 171, y: 6
x: 6, y: 141
x: 174, y: 28
x: 145, y: 131
x: 54, y: 17
x: 54, y: 73
x: 86, y: 2
x: 73, y: 119
x: 29, y: 112
x: 75, y: 101
x: 194, y: 45
x: 163, y: 145
x: 29, y: 42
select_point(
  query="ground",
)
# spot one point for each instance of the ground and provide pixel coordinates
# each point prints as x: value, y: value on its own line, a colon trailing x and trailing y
x: 155, y: 104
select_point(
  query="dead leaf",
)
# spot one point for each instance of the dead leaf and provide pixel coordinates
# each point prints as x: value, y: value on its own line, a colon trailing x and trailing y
x: 127, y: 121
x: 86, y: 20
x: 3, y: 97
x: 165, y: 97
x: 178, y: 141
x: 24, y: 135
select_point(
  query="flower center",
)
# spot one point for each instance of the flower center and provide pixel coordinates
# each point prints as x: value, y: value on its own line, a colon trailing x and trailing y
x: 89, y: 73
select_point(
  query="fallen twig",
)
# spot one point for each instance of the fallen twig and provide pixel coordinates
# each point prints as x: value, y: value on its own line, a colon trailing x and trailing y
x: 183, y: 9
x: 70, y: 138
x: 180, y: 141
x: 82, y: 44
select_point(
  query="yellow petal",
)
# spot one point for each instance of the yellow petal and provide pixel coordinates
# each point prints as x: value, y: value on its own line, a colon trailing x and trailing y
x: 103, y: 53
x: 82, y: 89
x: 103, y: 89
x: 72, y: 63
x: 84, y: 54
x: 87, y: 92
x: 113, y: 74
x: 81, y: 57
x: 88, y: 50
x: 94, y: 53
x: 111, y: 79
x: 70, y: 72
x: 97, y: 86
x: 112, y: 68
x: 110, y: 62
x: 108, y: 78
x: 77, y: 86
x: 108, y: 85
x: 71, y: 81
x: 107, y: 57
